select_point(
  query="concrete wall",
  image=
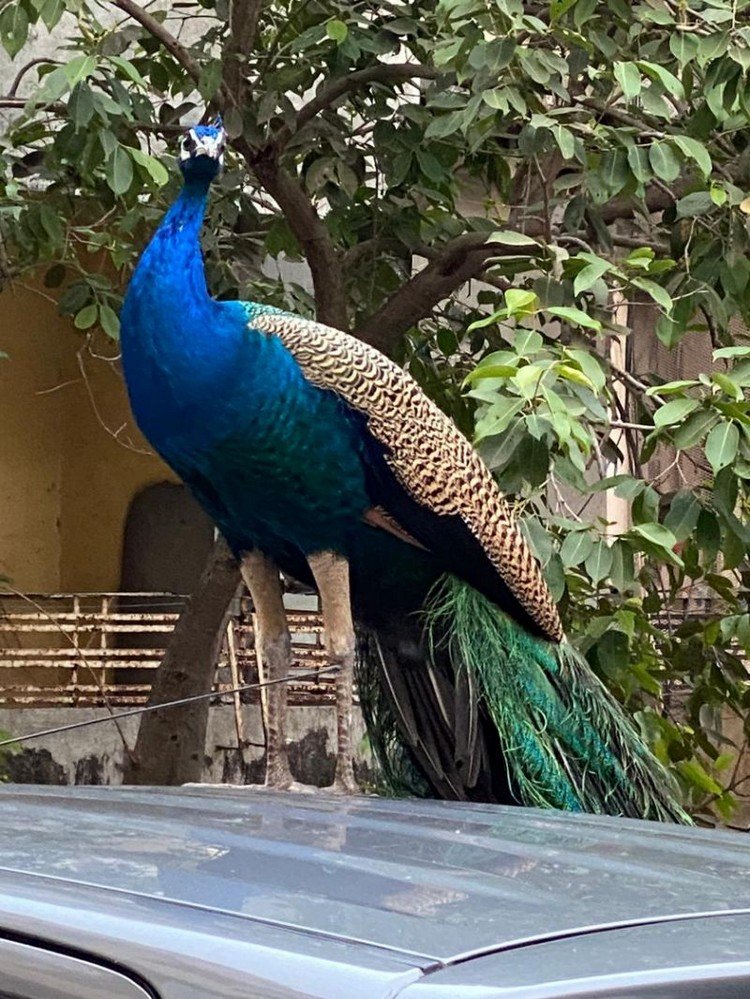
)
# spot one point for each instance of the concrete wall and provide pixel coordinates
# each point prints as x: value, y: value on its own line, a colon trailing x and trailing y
x: 65, y: 482
x: 94, y: 755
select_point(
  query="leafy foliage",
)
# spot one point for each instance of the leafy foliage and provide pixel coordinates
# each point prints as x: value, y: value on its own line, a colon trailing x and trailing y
x: 576, y: 156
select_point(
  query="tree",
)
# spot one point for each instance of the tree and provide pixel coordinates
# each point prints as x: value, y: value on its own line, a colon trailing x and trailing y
x: 573, y: 155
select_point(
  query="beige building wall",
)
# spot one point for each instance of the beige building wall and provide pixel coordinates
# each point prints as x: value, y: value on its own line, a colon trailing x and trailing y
x: 65, y: 482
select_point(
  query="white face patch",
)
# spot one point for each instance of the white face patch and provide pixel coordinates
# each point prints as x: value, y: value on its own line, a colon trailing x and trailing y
x: 194, y: 145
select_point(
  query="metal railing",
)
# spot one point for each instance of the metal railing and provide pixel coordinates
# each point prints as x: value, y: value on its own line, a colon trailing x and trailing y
x: 90, y: 649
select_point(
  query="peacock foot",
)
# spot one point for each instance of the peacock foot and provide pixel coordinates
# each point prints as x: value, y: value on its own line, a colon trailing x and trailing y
x: 294, y: 786
x: 278, y: 775
x: 297, y: 787
x: 344, y: 782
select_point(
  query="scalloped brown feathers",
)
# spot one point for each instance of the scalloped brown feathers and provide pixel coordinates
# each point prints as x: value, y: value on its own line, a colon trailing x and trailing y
x: 433, y: 462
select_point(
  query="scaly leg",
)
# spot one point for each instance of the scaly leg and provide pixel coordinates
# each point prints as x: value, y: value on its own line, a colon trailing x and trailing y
x: 274, y: 643
x: 331, y: 574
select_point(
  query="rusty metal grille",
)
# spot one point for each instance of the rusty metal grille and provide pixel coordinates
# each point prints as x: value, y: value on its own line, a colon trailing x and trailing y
x: 89, y: 649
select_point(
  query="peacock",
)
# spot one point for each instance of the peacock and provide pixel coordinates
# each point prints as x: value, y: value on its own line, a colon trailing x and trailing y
x: 319, y: 457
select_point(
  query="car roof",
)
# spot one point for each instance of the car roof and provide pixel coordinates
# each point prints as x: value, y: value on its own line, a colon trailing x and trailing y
x: 433, y: 879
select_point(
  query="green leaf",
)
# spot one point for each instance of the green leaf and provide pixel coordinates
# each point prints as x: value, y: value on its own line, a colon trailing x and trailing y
x: 638, y: 161
x: 576, y: 548
x: 572, y: 374
x: 554, y: 575
x: 527, y: 342
x: 74, y: 298
x: 668, y: 331
x: 119, y: 170
x: 14, y: 27
x: 511, y: 238
x: 683, y: 514
x: 696, y: 775
x: 656, y: 534
x: 429, y: 163
x: 738, y: 350
x: 668, y: 80
x: 109, y: 321
x: 497, y: 418
x: 81, y: 105
x: 129, y: 70
x: 708, y: 535
x: 683, y: 46
x: 50, y: 12
x: 491, y: 371
x: 86, y: 317
x: 518, y: 301
x: 670, y: 388
x: 674, y: 412
x: 337, y: 30
x: 599, y: 562
x: 156, y: 170
x: 629, y: 78
x: 79, y: 69
x: 496, y: 317
x: 622, y: 572
x: 445, y: 125
x: 565, y: 140
x: 610, y: 482
x: 722, y: 444
x: 590, y: 367
x: 696, y: 151
x: 727, y: 386
x: 574, y: 316
x: 590, y: 274
x: 694, y: 429
x: 695, y: 204
x: 660, y: 295
x: 665, y: 163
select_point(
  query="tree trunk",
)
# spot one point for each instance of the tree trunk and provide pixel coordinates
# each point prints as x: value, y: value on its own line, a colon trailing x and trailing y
x: 171, y: 743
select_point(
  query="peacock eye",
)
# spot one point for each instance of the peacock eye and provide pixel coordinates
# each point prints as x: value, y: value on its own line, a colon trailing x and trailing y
x: 188, y: 143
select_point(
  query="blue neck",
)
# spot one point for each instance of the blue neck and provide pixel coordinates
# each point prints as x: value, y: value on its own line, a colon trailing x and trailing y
x: 178, y: 343
x: 173, y: 257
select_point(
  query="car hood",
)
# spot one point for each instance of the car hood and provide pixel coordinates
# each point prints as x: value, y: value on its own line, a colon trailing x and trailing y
x: 435, y: 879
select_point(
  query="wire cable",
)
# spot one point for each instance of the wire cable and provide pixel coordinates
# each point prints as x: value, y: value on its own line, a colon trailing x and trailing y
x: 311, y: 675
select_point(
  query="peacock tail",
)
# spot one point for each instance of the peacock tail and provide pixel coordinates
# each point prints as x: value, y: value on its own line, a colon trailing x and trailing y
x: 566, y: 741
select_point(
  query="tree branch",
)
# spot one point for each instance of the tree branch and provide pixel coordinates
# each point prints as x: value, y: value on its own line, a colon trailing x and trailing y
x: 459, y: 261
x: 166, y: 38
x: 309, y: 230
x: 465, y: 257
x: 243, y: 28
x: 331, y: 91
x: 41, y: 61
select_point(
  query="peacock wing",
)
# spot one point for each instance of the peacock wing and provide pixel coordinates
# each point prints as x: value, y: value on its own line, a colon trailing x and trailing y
x: 431, y: 484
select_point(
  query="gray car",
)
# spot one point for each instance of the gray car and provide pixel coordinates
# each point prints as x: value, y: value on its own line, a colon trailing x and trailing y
x: 118, y: 893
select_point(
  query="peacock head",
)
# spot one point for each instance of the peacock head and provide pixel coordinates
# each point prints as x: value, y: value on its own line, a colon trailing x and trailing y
x: 202, y: 152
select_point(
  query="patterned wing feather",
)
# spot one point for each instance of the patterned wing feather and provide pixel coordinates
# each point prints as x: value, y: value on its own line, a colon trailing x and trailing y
x: 431, y: 460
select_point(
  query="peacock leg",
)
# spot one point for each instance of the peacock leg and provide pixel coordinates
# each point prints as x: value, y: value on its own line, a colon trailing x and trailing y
x: 331, y: 574
x: 262, y: 579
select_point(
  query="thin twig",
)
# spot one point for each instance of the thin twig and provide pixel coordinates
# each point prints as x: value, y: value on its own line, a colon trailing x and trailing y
x: 98, y: 415
x: 622, y: 425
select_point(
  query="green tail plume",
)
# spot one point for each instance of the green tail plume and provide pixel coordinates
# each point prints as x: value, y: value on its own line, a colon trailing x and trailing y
x: 567, y: 742
x: 396, y: 774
